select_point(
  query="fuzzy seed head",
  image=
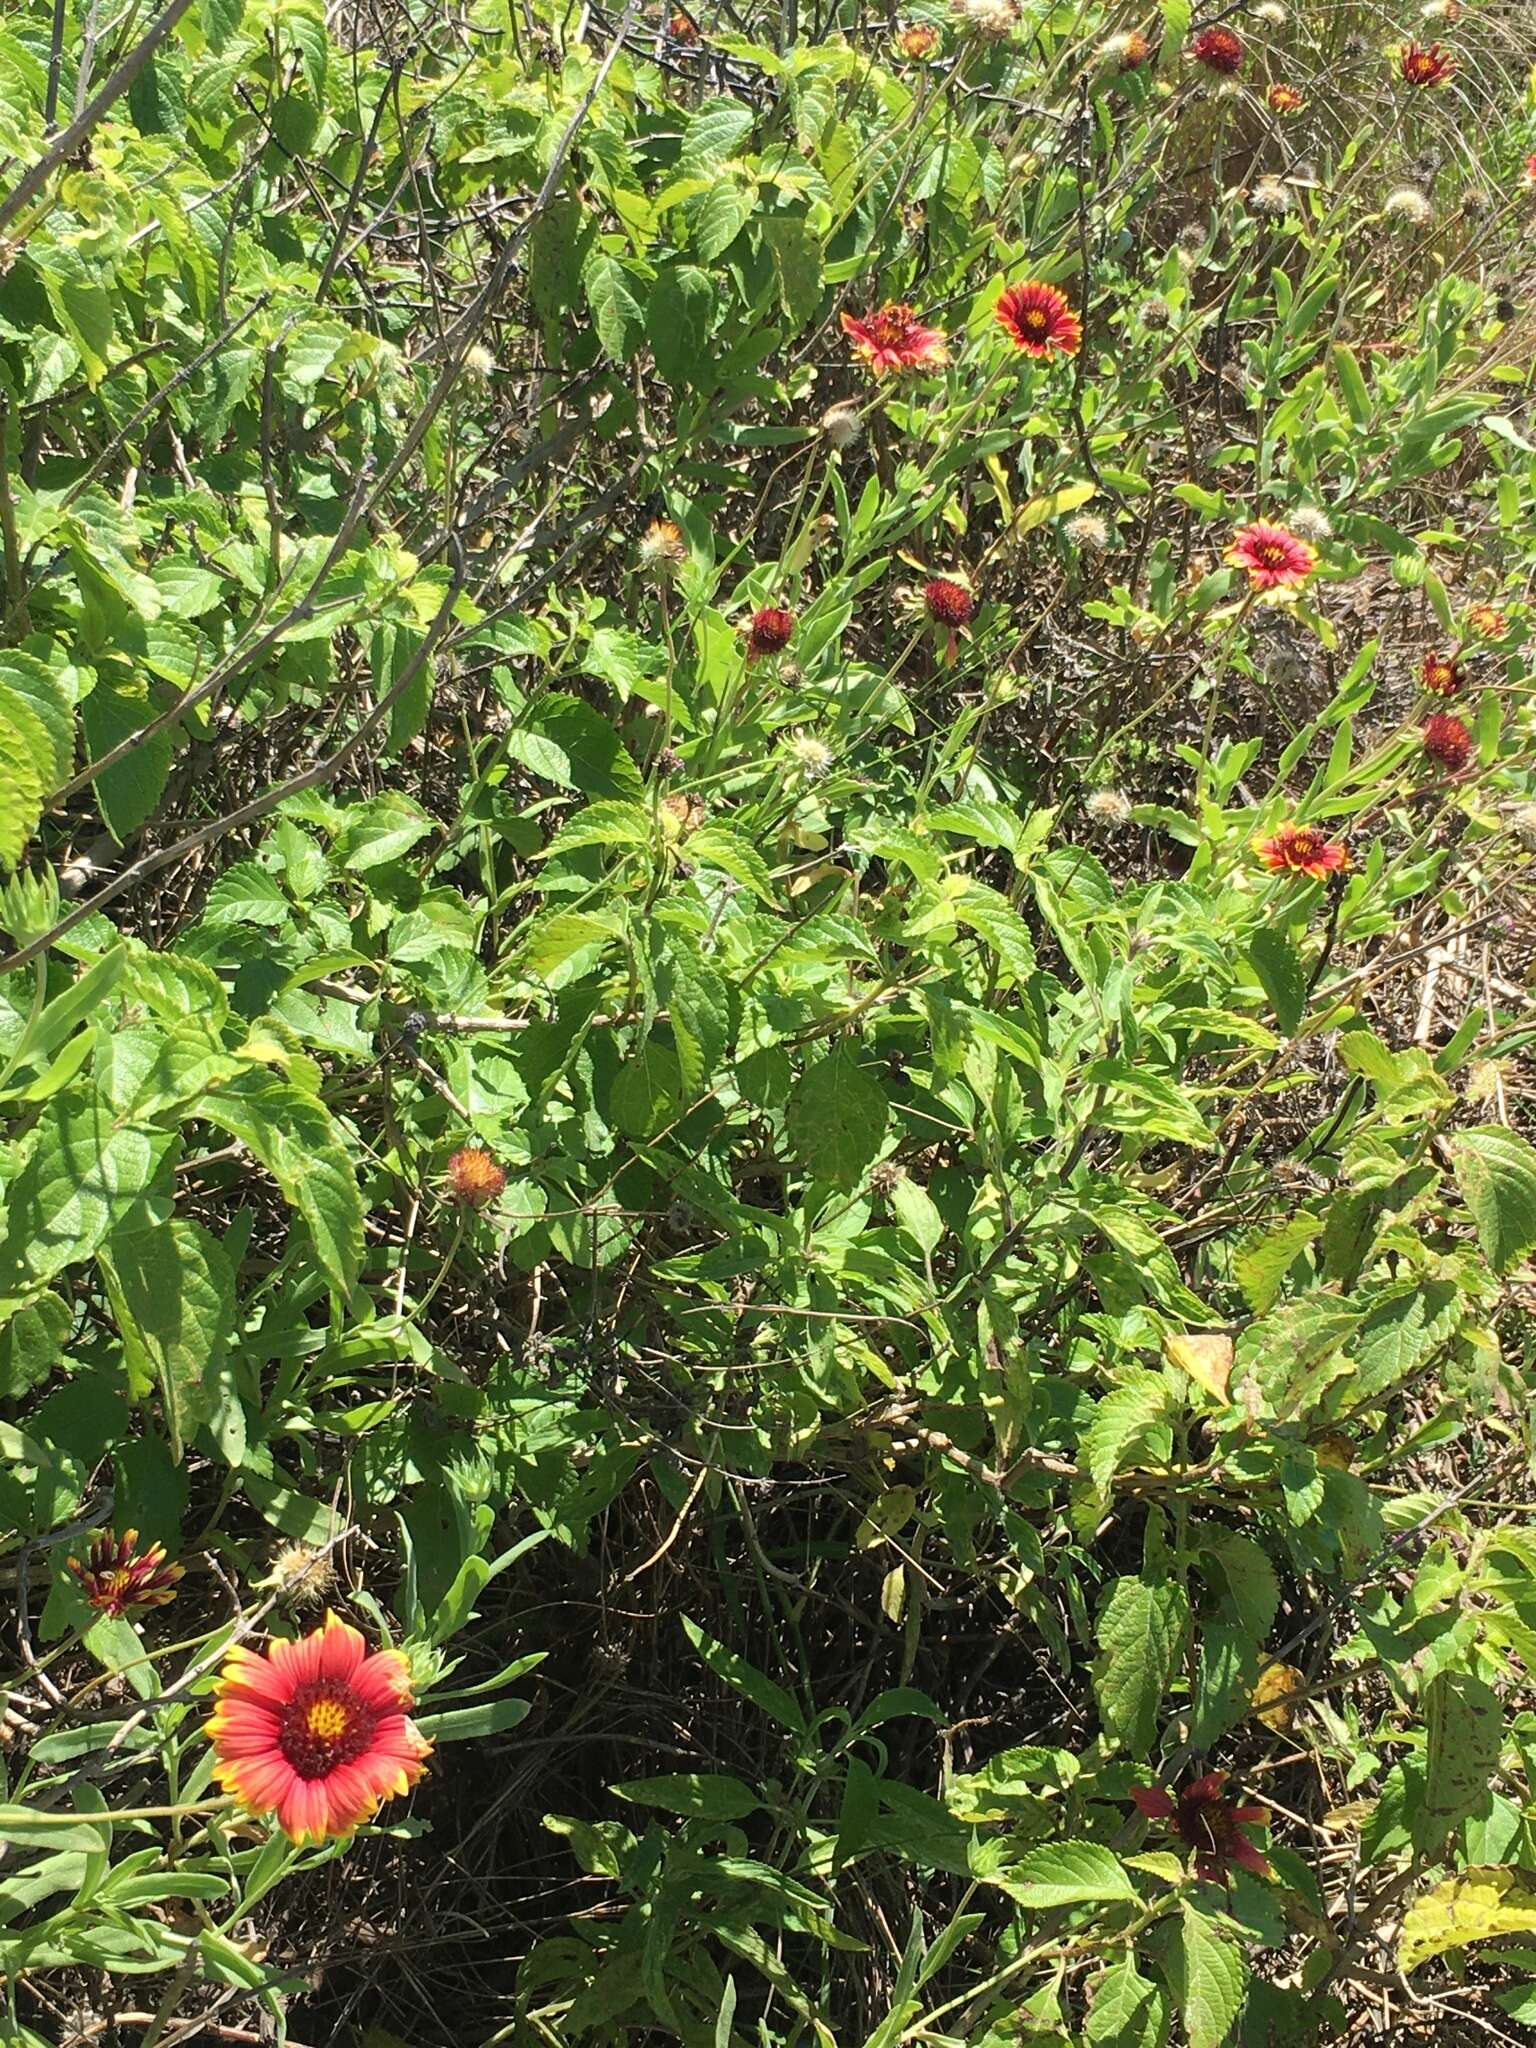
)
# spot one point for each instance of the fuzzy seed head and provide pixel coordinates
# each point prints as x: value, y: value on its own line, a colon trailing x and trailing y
x: 1126, y: 52
x: 1408, y: 207
x: 479, y: 361
x: 1269, y: 197
x: 661, y: 549
x: 992, y: 18
x: 1156, y: 313
x: 1108, y: 807
x: 812, y: 757
x: 302, y: 1576
x: 842, y: 424
x: 474, y: 1178
x: 1310, y: 523
x: 1087, y: 532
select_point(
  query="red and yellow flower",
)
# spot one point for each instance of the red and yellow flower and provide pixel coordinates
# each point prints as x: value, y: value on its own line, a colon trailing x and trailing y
x: 117, y: 1576
x: 1211, y: 1823
x: 474, y: 1178
x: 918, y: 40
x: 1039, y: 320
x: 1446, y: 740
x: 1301, y: 850
x: 317, y: 1731
x: 1272, y: 557
x: 1487, y: 622
x: 893, y: 338
x: 1425, y: 64
x: 1440, y: 674
x: 1220, y: 50
x: 1284, y: 99
x: 768, y: 631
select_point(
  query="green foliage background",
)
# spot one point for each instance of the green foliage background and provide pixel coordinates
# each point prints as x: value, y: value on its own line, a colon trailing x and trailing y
x: 986, y: 1279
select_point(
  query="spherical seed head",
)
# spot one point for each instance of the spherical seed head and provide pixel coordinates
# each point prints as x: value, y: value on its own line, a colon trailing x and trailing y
x: 811, y: 756
x: 1523, y: 820
x: 1356, y: 46
x: 1193, y: 236
x: 885, y: 1175
x: 1408, y: 207
x: 668, y: 761
x: 474, y: 1178
x: 1474, y: 203
x: 1272, y: 12
x: 1447, y: 741
x: 842, y: 425
x: 1088, y: 532
x: 948, y: 603
x: 768, y: 631
x: 1269, y: 197
x: 994, y: 18
x: 681, y: 29
x: 1126, y: 52
x: 479, y: 361
x: 1109, y: 807
x: 1311, y: 523
x: 661, y: 549
x: 1155, y: 313
x: 302, y: 1576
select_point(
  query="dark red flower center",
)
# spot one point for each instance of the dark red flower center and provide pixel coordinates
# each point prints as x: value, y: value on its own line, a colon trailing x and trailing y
x: 324, y: 1726
x: 950, y: 603
x: 1271, y: 554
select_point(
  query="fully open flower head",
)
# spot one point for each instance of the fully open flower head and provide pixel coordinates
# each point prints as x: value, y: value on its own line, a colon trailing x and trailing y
x: 1039, y: 320
x: 474, y: 1178
x: 316, y: 1731
x: 894, y: 339
x: 1425, y: 64
x: 1446, y: 740
x: 117, y: 1576
x: 1220, y: 50
x: 1301, y: 850
x: 1440, y: 674
x: 1285, y: 99
x: 1210, y: 1823
x: 1273, y: 557
x: 768, y: 631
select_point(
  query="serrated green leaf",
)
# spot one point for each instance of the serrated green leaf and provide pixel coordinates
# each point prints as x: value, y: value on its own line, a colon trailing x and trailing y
x: 1210, y: 1980
x: 1066, y: 1874
x: 294, y: 1137
x: 836, y: 1117
x: 1281, y: 976
x: 1141, y: 1630
x: 1131, y: 1419
x: 1262, y: 1263
x: 1464, y: 1733
x: 1496, y: 1171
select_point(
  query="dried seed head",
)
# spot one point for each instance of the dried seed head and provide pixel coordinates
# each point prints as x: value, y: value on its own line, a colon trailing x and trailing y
x: 812, y: 757
x: 474, y: 1178
x: 1108, y: 807
x: 1087, y: 532
x: 1310, y: 523
x: 1408, y: 207
x: 842, y: 424
x: 1270, y: 197
x: 1155, y: 313
x: 479, y: 361
x: 302, y: 1576
x: 994, y: 18
x: 889, y: 1173
x: 661, y: 549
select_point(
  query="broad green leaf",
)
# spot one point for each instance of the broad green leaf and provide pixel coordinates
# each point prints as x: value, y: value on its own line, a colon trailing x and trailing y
x: 1133, y: 1419
x: 1481, y: 1903
x: 566, y: 741
x: 836, y: 1117
x: 1496, y: 1172
x: 1281, y: 976
x: 294, y: 1137
x: 714, y: 133
x: 701, y: 1794
x: 173, y: 1293
x: 1141, y: 1630
x: 601, y: 824
x: 723, y: 847
x: 1464, y: 1731
x: 1066, y: 1874
x: 85, y: 1171
x: 1262, y: 1263
x: 701, y: 1021
x: 1127, y: 2009
x: 1209, y: 1975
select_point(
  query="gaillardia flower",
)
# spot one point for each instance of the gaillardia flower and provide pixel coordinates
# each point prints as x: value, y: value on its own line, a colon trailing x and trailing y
x: 1219, y: 49
x: 1301, y: 850
x: 681, y: 28
x: 918, y: 40
x: 474, y: 1178
x: 1486, y: 621
x: 1212, y: 1825
x: 1425, y: 64
x: 117, y: 1576
x: 1039, y: 320
x: 768, y: 631
x: 1273, y: 557
x: 1446, y: 740
x: 316, y: 1731
x: 1284, y: 99
x: 1440, y: 674
x: 1127, y: 52
x: 950, y: 606
x: 893, y: 338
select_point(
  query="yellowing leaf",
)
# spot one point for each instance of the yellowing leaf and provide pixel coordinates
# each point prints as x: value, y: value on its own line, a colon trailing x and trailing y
x: 1036, y: 511
x: 1485, y: 1901
x: 1206, y: 1357
x: 1272, y: 1695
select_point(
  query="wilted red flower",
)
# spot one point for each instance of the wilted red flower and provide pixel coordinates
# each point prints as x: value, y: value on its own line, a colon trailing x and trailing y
x: 1425, y: 63
x: 1284, y: 99
x: 918, y: 40
x: 1441, y: 675
x: 118, y: 1577
x: 474, y: 1178
x: 894, y: 339
x: 1487, y: 621
x: 1218, y: 49
x: 1039, y: 320
x: 949, y: 603
x: 682, y: 29
x: 1530, y: 169
x: 1446, y: 740
x: 768, y: 631
x: 1273, y: 557
x: 1203, y: 1816
x: 316, y: 1731
x: 1301, y: 850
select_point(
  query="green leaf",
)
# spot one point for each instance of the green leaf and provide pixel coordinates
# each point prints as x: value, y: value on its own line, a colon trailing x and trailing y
x: 745, y: 1678
x: 463, y: 1724
x: 85, y: 1171
x: 172, y: 1290
x: 836, y: 1118
x: 21, y: 785
x: 601, y: 824
x: 714, y: 133
x: 695, y: 1794
x: 1127, y: 2010
x: 1209, y: 1975
x: 796, y: 268
x: 220, y: 19
x: 1066, y: 1874
x: 25, y: 679
x: 1281, y: 976
x: 1140, y: 1635
x: 1480, y: 1903
x: 1263, y: 1262
x: 1464, y: 1735
x: 294, y: 1137
x: 701, y: 1021
x: 247, y: 894
x: 679, y: 315
x: 721, y: 846
x: 616, y: 312
x: 1496, y: 1172
x: 1132, y: 1418
x: 718, y: 218
x: 129, y: 791
x: 566, y: 741
x: 380, y: 830
x: 995, y: 918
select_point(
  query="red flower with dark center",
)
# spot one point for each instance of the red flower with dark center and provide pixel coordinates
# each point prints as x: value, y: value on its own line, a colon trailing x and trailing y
x: 769, y: 631
x: 1301, y: 850
x: 894, y: 339
x: 1212, y: 1825
x: 1487, y: 621
x: 1441, y: 675
x: 1219, y: 49
x: 1284, y: 99
x: 1423, y: 64
x: 1273, y: 556
x: 474, y: 1178
x: 949, y: 603
x: 117, y: 1576
x: 1447, y: 741
x: 1039, y: 320
x: 316, y: 1731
